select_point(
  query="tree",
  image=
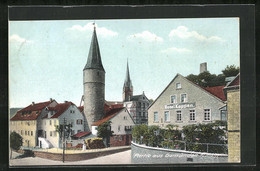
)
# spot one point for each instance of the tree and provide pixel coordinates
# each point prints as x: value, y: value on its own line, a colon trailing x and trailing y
x: 138, y: 131
x: 104, y: 131
x: 16, y: 141
x: 153, y: 136
x: 206, y: 79
x: 172, y: 132
x: 231, y: 70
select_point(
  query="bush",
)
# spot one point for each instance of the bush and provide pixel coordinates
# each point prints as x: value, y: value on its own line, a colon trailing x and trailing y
x: 94, y: 143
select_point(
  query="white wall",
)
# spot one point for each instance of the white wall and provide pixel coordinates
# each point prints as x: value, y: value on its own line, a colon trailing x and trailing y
x: 122, y: 119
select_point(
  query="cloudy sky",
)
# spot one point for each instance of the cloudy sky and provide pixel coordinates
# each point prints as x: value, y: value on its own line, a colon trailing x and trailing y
x: 46, y: 58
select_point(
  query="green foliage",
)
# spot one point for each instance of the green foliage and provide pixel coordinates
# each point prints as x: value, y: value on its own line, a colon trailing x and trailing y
x: 16, y: 141
x: 151, y: 101
x: 103, y: 131
x: 231, y: 70
x: 205, y: 133
x: 153, y: 136
x: 172, y: 132
x: 206, y: 79
x: 138, y: 131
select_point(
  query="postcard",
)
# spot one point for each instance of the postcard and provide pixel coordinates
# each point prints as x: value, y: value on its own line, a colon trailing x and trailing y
x: 124, y: 91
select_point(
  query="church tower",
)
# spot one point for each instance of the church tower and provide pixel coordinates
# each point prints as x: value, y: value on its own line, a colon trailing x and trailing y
x: 94, y: 84
x: 128, y: 88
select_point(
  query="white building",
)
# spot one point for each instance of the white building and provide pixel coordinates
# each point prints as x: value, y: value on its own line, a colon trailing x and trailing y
x: 55, y: 116
x: 121, y: 125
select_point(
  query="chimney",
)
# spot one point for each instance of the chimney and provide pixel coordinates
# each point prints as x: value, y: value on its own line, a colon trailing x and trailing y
x: 65, y: 101
x: 51, y: 100
x: 203, y: 67
x: 33, y: 103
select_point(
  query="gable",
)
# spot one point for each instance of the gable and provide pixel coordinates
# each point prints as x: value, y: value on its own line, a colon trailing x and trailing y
x: 186, y: 85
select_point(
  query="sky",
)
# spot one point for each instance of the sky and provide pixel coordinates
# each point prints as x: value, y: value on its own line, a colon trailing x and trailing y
x: 46, y: 58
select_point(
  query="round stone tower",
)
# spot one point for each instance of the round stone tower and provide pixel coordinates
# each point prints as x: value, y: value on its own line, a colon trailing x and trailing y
x: 94, y: 84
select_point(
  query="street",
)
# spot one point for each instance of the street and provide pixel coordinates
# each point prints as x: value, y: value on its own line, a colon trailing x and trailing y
x: 113, y: 159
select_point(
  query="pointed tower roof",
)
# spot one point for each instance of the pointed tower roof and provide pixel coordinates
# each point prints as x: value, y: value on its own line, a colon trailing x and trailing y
x: 128, y: 82
x: 94, y: 57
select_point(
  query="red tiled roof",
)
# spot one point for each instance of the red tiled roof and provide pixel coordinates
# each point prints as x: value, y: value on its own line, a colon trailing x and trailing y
x: 114, y: 106
x: 81, y: 134
x: 235, y: 82
x: 217, y: 91
x: 81, y: 108
x: 108, y: 116
x: 60, y: 108
x: 31, y: 112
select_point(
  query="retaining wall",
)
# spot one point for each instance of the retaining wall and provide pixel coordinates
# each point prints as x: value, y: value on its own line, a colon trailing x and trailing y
x: 151, y: 155
x: 78, y: 156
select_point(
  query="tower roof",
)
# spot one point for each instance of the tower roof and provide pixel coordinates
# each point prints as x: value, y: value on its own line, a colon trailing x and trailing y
x: 94, y: 57
x: 128, y: 82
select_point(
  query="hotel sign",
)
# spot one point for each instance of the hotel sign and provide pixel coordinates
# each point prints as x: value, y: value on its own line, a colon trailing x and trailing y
x: 180, y: 106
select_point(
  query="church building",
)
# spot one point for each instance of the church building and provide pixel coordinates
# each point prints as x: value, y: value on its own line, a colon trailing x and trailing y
x: 136, y: 105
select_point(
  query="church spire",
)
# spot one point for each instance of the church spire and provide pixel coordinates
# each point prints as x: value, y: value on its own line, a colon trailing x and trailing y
x: 128, y: 88
x: 128, y: 82
x: 94, y: 57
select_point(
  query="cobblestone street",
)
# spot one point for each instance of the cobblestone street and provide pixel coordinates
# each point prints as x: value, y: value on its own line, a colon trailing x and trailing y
x: 113, y: 159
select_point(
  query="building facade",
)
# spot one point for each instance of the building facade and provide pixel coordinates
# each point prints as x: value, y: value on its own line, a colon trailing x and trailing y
x: 26, y: 122
x: 183, y: 102
x: 137, y: 107
x: 233, y: 104
x: 121, y: 125
x: 63, y: 113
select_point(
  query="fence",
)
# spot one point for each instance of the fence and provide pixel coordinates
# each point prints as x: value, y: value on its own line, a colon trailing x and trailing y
x: 189, y: 146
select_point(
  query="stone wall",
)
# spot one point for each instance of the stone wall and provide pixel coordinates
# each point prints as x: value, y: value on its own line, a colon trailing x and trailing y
x: 78, y: 156
x: 233, y: 103
x: 120, y: 140
x: 142, y: 154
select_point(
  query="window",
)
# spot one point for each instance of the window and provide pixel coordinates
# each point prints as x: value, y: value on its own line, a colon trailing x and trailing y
x: 51, y: 133
x: 120, y: 138
x: 119, y: 127
x: 183, y: 98
x: 79, y: 130
x: 31, y: 133
x: 79, y: 122
x: 173, y: 99
x: 166, y: 116
x: 192, y: 115
x: 223, y: 115
x: 21, y: 132
x: 72, y: 111
x: 50, y: 122
x: 54, y: 122
x: 143, y: 114
x: 207, y: 114
x: 178, y: 115
x: 178, y: 85
x: 125, y: 117
x: 54, y: 133
x: 155, y: 114
x: 25, y: 132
